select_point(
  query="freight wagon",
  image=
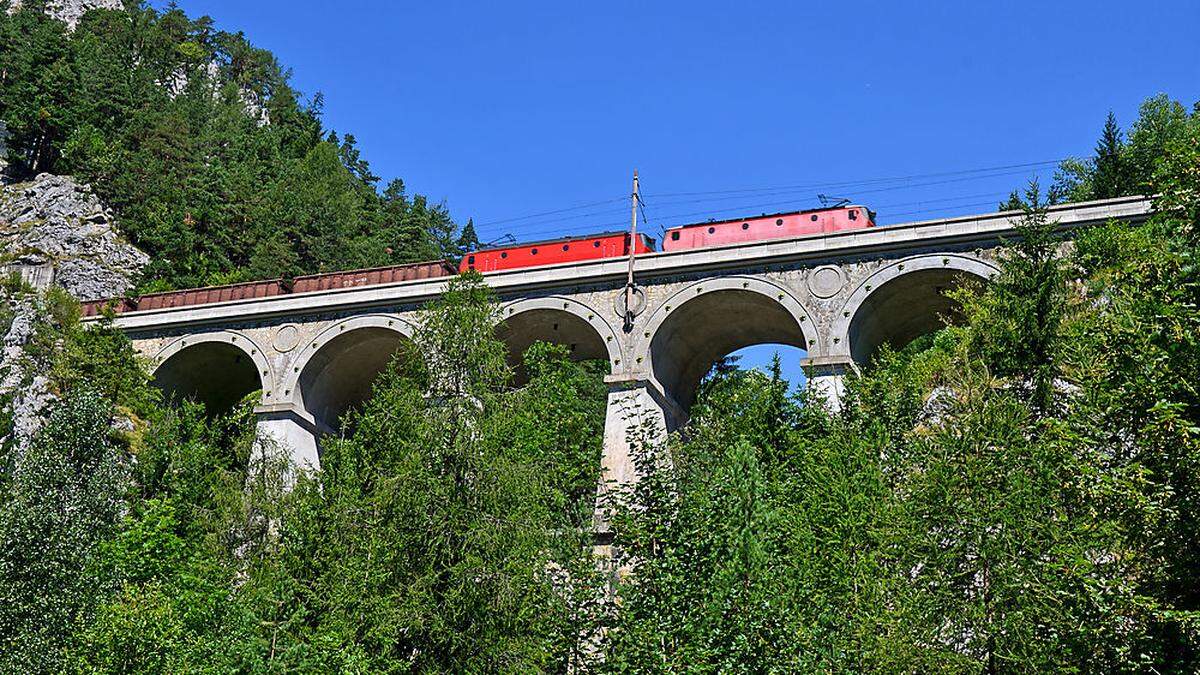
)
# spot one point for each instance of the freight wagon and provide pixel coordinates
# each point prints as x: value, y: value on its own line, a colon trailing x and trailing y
x: 273, y: 287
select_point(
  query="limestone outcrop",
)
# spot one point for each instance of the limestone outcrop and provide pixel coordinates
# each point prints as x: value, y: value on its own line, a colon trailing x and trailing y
x: 55, y: 231
x: 69, y: 11
x: 24, y: 388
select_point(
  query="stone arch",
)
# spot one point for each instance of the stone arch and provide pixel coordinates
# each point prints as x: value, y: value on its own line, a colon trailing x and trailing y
x: 708, y: 319
x: 334, y: 371
x: 217, y: 369
x: 560, y: 320
x: 902, y: 301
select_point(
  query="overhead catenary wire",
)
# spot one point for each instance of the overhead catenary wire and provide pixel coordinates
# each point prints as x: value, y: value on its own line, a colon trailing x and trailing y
x: 885, y: 209
x: 749, y: 193
x: 550, y: 213
x: 753, y: 204
x: 676, y: 220
x: 857, y: 193
x: 888, y: 188
x: 892, y: 179
x: 645, y: 218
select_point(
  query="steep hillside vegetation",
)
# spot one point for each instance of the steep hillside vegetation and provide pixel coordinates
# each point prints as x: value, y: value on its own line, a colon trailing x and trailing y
x: 214, y: 165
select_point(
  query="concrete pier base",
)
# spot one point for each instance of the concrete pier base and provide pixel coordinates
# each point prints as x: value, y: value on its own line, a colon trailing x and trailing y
x: 827, y: 379
x: 293, y: 432
x: 637, y: 417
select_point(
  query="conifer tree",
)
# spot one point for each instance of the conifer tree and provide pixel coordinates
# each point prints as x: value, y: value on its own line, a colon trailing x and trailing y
x: 467, y: 240
x: 1020, y: 318
x: 1111, y: 175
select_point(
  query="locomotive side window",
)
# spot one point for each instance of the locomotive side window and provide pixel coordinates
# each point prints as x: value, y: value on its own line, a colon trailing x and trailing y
x: 533, y: 251
x: 745, y: 226
x: 814, y: 217
x: 566, y: 246
x: 504, y: 254
x: 596, y: 243
x: 470, y: 260
x: 711, y: 230
x: 779, y: 221
x: 854, y: 215
x: 675, y: 236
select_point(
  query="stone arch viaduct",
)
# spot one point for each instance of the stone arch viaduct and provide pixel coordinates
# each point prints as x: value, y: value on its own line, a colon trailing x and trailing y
x: 839, y: 297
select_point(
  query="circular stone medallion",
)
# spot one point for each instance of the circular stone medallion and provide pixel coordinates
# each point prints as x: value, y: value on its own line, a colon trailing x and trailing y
x: 639, y: 301
x: 286, y: 338
x: 826, y: 281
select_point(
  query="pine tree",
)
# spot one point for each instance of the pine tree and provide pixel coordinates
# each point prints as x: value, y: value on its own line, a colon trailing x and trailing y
x: 467, y: 241
x: 196, y: 140
x: 1111, y: 175
x: 1013, y: 203
x: 778, y: 409
x: 1020, y: 318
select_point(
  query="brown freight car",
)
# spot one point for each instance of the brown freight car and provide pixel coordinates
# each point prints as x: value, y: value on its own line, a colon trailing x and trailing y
x: 273, y: 287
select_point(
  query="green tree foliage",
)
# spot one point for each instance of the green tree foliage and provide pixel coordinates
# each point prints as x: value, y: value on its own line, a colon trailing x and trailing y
x: 1020, y: 317
x: 759, y: 545
x: 468, y: 240
x: 450, y: 531
x: 211, y: 161
x: 1110, y: 175
x: 63, y: 500
x: 1122, y: 166
x: 1014, y: 494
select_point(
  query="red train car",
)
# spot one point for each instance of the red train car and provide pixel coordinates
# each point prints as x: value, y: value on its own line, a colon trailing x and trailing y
x: 775, y: 226
x: 549, y: 252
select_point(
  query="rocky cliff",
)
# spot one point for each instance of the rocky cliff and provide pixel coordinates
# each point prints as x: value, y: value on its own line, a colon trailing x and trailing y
x: 69, y: 11
x: 54, y: 231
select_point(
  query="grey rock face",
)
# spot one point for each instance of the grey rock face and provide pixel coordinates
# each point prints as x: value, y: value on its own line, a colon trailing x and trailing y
x: 20, y: 376
x: 69, y: 11
x: 54, y: 230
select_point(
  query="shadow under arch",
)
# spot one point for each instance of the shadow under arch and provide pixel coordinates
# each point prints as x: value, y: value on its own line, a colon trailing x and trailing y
x: 709, y: 319
x: 905, y: 300
x: 557, y: 320
x: 337, y: 369
x: 216, y: 369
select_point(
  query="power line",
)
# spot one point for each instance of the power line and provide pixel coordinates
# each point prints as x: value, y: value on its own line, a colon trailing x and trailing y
x: 892, y: 179
x: 550, y: 213
x: 677, y: 218
x: 645, y: 218
x: 683, y: 218
x: 947, y: 208
x: 662, y: 225
x: 550, y: 220
x: 750, y: 196
x: 888, y: 188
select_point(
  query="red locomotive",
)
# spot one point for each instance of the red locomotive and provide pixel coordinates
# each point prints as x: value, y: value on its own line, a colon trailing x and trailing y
x: 551, y: 251
x: 776, y: 226
x: 697, y: 235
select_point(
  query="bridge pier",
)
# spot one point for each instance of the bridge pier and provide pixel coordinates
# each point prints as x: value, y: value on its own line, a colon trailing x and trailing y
x: 827, y: 379
x: 293, y: 431
x: 638, y: 416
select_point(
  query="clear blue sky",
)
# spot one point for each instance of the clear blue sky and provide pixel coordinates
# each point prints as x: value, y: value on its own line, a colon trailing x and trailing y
x: 509, y: 109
